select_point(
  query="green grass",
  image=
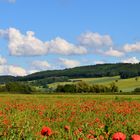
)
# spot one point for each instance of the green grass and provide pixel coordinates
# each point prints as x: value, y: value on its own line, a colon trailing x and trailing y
x: 126, y: 85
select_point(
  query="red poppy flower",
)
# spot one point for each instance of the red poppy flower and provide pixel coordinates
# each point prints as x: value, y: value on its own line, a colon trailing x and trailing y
x: 80, y: 129
x: 46, y: 131
x: 135, y: 137
x: 119, y: 136
x: 80, y: 139
x: 89, y: 136
x: 67, y: 128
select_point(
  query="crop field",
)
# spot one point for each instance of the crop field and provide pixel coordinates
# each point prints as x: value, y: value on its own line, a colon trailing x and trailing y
x: 126, y: 85
x: 68, y: 117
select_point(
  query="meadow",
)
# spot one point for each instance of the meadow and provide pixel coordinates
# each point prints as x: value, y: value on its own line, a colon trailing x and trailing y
x: 68, y: 117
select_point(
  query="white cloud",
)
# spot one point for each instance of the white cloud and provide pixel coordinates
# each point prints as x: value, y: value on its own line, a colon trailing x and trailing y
x: 67, y: 63
x: 17, y: 71
x: 113, y: 52
x: 41, y: 65
x: 25, y: 45
x: 132, y: 47
x: 12, y: 70
x: 2, y: 60
x: 32, y: 71
x: 132, y: 60
x: 61, y: 46
x: 3, y: 33
x: 11, y: 1
x: 91, y: 39
x: 99, y: 62
x: 28, y: 45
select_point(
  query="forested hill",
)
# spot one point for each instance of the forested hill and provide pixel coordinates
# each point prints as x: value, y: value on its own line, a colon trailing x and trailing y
x: 99, y: 70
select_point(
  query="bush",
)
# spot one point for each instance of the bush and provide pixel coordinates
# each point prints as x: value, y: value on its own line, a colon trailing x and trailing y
x: 137, y: 89
x: 83, y: 87
x: 18, y: 87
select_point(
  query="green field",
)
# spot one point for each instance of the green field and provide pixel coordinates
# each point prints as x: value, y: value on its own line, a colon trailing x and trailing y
x: 126, y: 85
x: 69, y: 117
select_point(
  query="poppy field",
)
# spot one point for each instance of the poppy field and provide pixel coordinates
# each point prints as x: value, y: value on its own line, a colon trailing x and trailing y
x: 69, y: 117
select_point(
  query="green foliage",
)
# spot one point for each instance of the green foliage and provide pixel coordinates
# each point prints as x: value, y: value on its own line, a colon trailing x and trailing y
x: 99, y: 70
x: 113, y: 87
x: 5, y: 79
x: 18, y: 87
x: 82, y: 87
x: 44, y: 82
x: 137, y: 89
x: 128, y: 74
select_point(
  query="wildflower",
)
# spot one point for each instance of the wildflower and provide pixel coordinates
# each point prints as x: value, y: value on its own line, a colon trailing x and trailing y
x: 135, y: 137
x: 119, y: 136
x: 89, y: 136
x: 76, y: 132
x: 80, y: 139
x: 80, y: 129
x: 92, y: 132
x: 101, y: 137
x: 67, y: 128
x: 46, y: 131
x: 97, y: 120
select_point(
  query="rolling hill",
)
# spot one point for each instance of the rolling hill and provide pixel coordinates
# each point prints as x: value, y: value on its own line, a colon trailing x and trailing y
x: 94, y: 71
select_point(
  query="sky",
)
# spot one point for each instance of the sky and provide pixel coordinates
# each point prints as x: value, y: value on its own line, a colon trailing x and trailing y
x: 37, y: 35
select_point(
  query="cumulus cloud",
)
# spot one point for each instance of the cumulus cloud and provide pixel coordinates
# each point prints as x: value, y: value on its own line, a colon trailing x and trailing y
x: 99, y: 62
x: 132, y: 60
x: 3, y: 33
x: 41, y: 65
x: 61, y: 46
x: 12, y: 70
x: 25, y: 45
x: 2, y: 60
x: 91, y: 39
x: 12, y: 1
x: 28, y: 45
x: 17, y: 71
x: 9, y: 1
x: 32, y: 71
x: 68, y: 63
x: 132, y: 47
x: 113, y: 52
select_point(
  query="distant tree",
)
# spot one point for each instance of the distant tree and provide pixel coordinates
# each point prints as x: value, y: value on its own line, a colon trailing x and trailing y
x: 136, y: 78
x: 137, y: 89
x: 113, y: 87
x: 82, y: 87
x: 18, y: 87
x: 128, y: 74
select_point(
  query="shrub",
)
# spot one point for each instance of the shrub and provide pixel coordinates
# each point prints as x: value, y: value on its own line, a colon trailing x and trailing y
x: 137, y: 89
x: 18, y: 87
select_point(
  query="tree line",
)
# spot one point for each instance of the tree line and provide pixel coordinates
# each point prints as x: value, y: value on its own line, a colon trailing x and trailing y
x: 83, y: 87
x: 125, y: 70
x: 18, y: 87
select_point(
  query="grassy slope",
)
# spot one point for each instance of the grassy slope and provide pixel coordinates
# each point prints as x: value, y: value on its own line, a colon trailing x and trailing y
x: 123, y: 84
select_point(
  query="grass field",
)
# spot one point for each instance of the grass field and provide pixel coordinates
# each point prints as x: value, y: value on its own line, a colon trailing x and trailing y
x: 126, y: 85
x: 68, y: 117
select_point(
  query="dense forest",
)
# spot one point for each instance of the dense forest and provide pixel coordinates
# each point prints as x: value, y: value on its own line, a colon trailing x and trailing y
x: 125, y: 70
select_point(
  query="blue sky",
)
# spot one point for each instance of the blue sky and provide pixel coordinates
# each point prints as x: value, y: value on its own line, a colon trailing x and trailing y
x: 52, y: 34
